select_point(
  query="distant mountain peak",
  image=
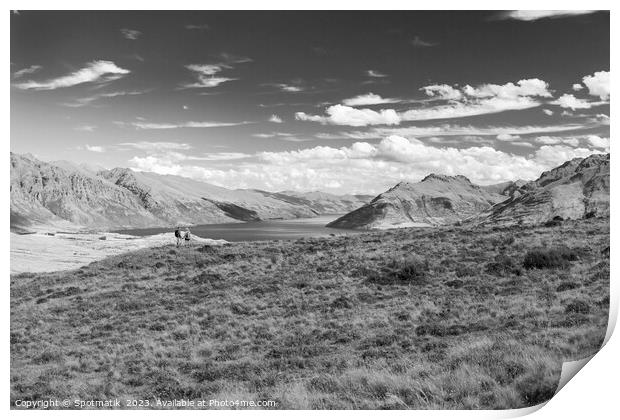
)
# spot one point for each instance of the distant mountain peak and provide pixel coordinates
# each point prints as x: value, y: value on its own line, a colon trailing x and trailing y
x: 446, y: 178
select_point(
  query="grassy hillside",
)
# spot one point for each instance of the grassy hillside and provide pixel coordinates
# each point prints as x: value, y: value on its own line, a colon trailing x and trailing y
x: 409, y: 318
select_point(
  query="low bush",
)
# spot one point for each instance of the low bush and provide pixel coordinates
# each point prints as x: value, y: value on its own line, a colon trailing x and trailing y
x: 549, y: 258
x: 412, y: 269
x: 577, y: 307
x: 502, y: 265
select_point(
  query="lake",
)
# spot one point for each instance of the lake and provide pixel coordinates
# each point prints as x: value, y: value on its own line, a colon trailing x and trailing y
x: 258, y: 231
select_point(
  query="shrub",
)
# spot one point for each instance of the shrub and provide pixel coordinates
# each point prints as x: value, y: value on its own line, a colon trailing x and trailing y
x: 567, y: 285
x: 502, y: 265
x: 577, y: 307
x: 549, y: 258
x: 412, y: 269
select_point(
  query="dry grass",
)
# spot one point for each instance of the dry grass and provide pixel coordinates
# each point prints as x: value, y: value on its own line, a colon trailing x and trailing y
x: 411, y: 318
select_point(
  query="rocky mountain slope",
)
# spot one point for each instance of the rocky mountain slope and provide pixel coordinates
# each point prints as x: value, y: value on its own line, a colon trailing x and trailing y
x: 325, y: 203
x: 576, y: 189
x: 436, y: 200
x: 67, y: 195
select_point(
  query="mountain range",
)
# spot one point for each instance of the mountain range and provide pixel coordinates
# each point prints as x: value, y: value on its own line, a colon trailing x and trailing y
x: 576, y: 189
x: 67, y: 195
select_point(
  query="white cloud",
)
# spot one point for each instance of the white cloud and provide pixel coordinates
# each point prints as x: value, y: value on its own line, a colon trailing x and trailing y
x: 418, y: 42
x: 368, y: 99
x: 96, y: 149
x: 551, y: 140
x: 345, y: 115
x: 507, y: 137
x: 282, y: 136
x: 288, y: 87
x: 523, y: 88
x: 205, y: 73
x: 27, y: 70
x: 199, y: 27
x: 365, y: 167
x: 374, y: 73
x: 598, y: 84
x: 598, y: 142
x: 152, y: 146
x: 466, y: 102
x: 442, y: 92
x: 224, y: 156
x: 531, y: 15
x: 187, y: 124
x: 547, y: 112
x: 577, y: 87
x: 96, y: 71
x: 275, y: 119
x: 131, y: 34
x: 469, y: 109
x: 85, y: 127
x: 79, y: 102
x: 569, y: 101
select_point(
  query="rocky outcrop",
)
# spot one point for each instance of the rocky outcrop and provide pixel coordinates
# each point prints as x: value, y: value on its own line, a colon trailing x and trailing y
x: 436, y: 200
x: 576, y: 189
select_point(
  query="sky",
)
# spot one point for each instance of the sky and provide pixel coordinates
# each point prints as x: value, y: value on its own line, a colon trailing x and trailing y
x: 343, y: 102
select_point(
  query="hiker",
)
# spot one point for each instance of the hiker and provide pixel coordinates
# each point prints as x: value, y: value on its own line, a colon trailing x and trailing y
x: 177, y: 234
x: 187, y: 237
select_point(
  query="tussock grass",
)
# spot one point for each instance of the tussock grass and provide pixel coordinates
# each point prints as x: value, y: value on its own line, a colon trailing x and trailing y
x: 440, y: 318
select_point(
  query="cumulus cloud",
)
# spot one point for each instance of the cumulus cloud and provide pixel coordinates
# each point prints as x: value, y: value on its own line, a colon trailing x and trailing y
x: 365, y: 167
x: 523, y: 88
x: 598, y: 84
x: 368, y: 99
x: 551, y: 140
x: 507, y: 137
x: 131, y: 34
x: 375, y: 73
x: 547, y: 112
x: 275, y: 119
x: 345, y: 115
x: 532, y: 15
x: 94, y: 72
x: 569, y: 100
x: 188, y: 124
x: 442, y: 92
x: 464, y: 102
x: 28, y: 70
x: 577, y: 87
x: 598, y: 142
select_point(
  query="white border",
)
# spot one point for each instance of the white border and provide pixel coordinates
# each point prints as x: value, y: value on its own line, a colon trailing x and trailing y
x: 593, y: 394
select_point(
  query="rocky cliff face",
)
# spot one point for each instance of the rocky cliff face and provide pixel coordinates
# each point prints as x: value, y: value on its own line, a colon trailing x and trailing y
x: 576, y: 189
x: 69, y: 196
x: 42, y: 193
x: 436, y: 200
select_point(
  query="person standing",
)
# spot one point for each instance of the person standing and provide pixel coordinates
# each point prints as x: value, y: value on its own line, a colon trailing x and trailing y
x: 177, y: 235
